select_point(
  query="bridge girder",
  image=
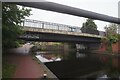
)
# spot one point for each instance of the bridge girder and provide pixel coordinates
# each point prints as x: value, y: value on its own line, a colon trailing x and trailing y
x: 52, y: 37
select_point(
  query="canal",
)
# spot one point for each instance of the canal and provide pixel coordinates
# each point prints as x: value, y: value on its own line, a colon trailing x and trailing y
x: 81, y: 64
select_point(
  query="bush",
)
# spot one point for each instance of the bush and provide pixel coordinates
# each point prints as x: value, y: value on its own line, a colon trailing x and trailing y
x: 8, y: 70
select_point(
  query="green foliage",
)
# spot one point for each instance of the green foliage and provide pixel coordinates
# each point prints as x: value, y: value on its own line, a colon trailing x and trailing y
x: 12, y: 17
x: 111, y: 35
x: 104, y: 40
x: 8, y: 70
x: 118, y: 36
x: 111, y: 29
x: 89, y: 24
x: 113, y: 38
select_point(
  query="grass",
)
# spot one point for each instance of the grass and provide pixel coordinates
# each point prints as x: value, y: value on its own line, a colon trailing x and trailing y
x: 8, y: 70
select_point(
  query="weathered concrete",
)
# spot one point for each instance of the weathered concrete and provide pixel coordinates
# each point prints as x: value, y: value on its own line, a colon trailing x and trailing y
x: 33, y: 29
x: 49, y: 73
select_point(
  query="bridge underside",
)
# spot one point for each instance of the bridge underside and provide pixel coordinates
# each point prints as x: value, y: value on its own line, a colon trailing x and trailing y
x: 52, y: 37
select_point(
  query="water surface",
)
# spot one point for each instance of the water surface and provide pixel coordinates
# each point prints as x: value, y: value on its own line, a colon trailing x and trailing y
x: 80, y: 64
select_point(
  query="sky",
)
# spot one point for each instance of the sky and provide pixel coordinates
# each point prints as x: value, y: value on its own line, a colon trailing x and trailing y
x: 107, y: 7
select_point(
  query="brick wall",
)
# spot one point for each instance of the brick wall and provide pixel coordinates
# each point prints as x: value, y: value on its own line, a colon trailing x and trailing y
x: 103, y: 47
x: 116, y: 47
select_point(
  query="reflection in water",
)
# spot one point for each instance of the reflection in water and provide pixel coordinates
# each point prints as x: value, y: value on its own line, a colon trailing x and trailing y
x: 43, y: 57
x: 103, y: 77
x: 78, y: 64
x: 80, y: 55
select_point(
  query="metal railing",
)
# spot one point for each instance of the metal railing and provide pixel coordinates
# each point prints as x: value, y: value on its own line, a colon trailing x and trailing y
x: 56, y: 26
x: 49, y: 25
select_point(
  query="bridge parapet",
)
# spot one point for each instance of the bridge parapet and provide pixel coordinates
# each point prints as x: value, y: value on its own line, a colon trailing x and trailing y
x: 49, y: 25
x: 40, y: 30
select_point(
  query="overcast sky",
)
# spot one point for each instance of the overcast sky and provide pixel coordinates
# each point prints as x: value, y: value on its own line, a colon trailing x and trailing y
x: 108, y: 7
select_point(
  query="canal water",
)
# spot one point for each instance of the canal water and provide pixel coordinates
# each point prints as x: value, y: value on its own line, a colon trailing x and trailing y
x: 81, y: 64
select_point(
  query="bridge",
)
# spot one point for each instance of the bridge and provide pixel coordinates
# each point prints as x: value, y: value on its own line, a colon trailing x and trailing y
x: 41, y: 35
x: 53, y: 32
x: 66, y: 36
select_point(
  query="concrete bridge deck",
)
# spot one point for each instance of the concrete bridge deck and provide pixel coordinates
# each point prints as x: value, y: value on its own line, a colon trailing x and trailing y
x: 54, y: 32
x: 40, y: 30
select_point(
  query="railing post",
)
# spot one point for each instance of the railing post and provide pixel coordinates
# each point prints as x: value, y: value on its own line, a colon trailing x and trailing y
x: 42, y: 25
x: 58, y: 27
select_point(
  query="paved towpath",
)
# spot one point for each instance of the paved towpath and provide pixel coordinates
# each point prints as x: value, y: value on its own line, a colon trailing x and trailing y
x: 26, y: 67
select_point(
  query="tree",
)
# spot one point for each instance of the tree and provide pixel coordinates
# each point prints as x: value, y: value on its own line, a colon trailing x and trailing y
x: 12, y: 17
x: 89, y: 27
x: 111, y: 32
x: 111, y: 29
x: 89, y: 24
x: 111, y: 35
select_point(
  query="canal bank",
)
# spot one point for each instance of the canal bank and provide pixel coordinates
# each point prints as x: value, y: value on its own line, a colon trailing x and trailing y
x: 47, y: 72
x: 60, y: 64
x: 79, y: 65
x: 26, y: 67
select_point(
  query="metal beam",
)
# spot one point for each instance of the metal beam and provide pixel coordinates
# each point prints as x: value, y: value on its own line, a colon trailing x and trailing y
x: 69, y: 10
x: 54, y: 37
